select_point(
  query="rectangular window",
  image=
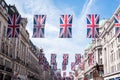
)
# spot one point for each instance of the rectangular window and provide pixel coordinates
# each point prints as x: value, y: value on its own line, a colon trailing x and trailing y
x: 112, y: 59
x: 118, y: 54
x: 118, y: 38
x: 0, y: 26
x: 112, y: 69
x: 118, y: 66
x: 4, y: 31
x: 6, y: 9
x: 7, y: 64
x: 1, y: 61
x: 3, y: 3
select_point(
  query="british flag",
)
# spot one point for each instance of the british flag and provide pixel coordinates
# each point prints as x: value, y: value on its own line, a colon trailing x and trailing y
x: 90, y: 59
x: 65, y: 56
x: 58, y: 73
x: 64, y: 74
x: 41, y: 59
x: 52, y: 73
x: 39, y: 24
x: 54, y: 67
x: 63, y: 67
x: 92, y: 26
x: 117, y: 24
x: 65, y: 26
x: 71, y: 75
x: 81, y: 65
x: 65, y: 59
x: 65, y: 62
x: 46, y: 65
x: 13, y: 25
x: 77, y: 59
x: 53, y: 59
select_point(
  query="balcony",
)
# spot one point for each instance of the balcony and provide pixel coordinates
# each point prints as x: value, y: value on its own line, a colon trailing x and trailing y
x: 30, y: 76
x: 17, y: 59
x: 8, y: 69
x: 2, y: 67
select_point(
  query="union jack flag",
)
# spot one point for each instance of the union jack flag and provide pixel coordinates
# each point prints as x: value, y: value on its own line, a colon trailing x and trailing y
x: 54, y: 67
x: 46, y: 65
x: 13, y: 25
x: 77, y: 59
x: 65, y: 26
x: 73, y: 66
x: 63, y: 67
x: 81, y: 65
x: 117, y: 24
x: 71, y: 75
x: 52, y: 73
x: 76, y: 73
x: 64, y: 74
x: 92, y: 26
x: 65, y: 56
x: 39, y: 24
x: 90, y: 59
x: 58, y: 73
x: 41, y: 59
x: 65, y: 62
x: 65, y: 59
x: 53, y: 59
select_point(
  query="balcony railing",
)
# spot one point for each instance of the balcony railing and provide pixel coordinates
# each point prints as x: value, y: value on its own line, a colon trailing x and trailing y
x: 8, y: 69
x: 2, y: 67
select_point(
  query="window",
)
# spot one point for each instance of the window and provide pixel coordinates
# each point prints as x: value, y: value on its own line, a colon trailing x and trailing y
x: 112, y: 57
x: 112, y: 69
x: 118, y: 54
x: 104, y: 39
x: 1, y: 61
x: 3, y: 3
x: 112, y: 44
x: 100, y: 61
x: 118, y: 38
x: 7, y: 64
x: 0, y: 26
x: 118, y: 66
x: 7, y: 9
x: 4, y: 31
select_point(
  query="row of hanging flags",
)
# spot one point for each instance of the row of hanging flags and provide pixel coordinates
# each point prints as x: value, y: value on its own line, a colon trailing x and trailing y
x: 65, y: 25
x: 43, y: 61
x: 78, y: 57
x: 65, y: 63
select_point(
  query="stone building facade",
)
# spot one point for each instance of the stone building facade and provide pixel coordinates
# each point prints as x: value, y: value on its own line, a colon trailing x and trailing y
x: 106, y: 51
x: 19, y: 57
x: 111, y: 50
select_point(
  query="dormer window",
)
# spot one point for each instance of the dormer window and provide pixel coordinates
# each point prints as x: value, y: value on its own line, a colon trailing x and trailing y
x: 3, y: 3
x: 7, y: 9
x: 118, y: 38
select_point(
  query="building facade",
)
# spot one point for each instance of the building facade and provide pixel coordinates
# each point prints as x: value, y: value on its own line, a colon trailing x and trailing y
x: 19, y: 57
x: 91, y: 71
x: 106, y: 53
x: 111, y: 50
